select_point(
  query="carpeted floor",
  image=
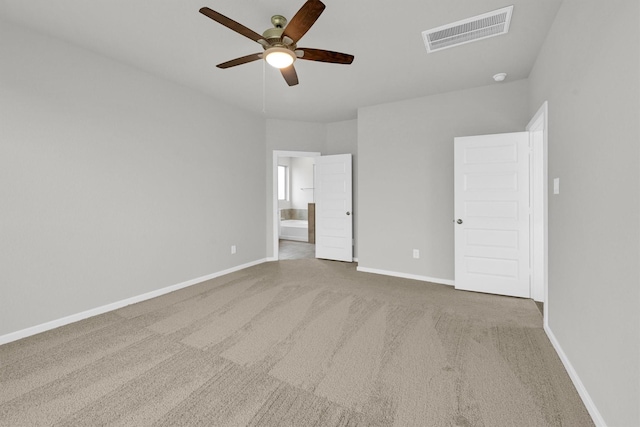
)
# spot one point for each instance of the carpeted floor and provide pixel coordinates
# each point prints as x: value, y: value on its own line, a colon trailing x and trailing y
x: 295, y: 343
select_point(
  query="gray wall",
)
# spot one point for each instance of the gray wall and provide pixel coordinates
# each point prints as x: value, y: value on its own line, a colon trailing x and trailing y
x: 114, y: 183
x: 591, y: 80
x: 405, y: 152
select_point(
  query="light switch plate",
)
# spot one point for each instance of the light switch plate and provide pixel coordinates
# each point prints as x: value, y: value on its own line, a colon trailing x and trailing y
x: 556, y: 185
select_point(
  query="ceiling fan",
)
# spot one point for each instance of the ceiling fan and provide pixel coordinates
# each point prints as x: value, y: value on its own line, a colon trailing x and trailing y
x: 279, y: 42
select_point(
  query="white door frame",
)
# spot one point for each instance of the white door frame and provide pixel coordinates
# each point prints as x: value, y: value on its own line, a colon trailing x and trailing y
x: 540, y: 203
x: 274, y: 196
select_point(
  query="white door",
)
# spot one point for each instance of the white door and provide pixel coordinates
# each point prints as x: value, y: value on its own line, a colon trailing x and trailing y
x: 492, y: 214
x: 334, y: 225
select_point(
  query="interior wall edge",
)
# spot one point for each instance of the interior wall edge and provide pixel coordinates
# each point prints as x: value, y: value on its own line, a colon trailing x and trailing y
x: 575, y: 378
x: 47, y: 326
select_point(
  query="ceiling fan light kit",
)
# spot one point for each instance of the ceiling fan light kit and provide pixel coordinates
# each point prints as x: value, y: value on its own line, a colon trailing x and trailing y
x: 279, y: 42
x: 279, y: 57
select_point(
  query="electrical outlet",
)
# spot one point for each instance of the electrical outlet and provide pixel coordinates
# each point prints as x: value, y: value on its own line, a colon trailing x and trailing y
x: 233, y: 249
x: 416, y: 253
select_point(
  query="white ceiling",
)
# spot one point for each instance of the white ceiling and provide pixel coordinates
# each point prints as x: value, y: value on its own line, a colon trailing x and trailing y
x: 169, y: 38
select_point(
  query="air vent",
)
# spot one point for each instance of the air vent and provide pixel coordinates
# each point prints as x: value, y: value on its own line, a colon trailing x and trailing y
x: 468, y: 30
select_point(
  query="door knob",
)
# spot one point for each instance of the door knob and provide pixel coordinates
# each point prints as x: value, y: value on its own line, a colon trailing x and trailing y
x: 459, y: 221
x: 348, y: 213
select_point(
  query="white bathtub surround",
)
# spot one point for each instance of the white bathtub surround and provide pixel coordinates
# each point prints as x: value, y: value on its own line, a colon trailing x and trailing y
x: 294, y: 225
x: 294, y: 229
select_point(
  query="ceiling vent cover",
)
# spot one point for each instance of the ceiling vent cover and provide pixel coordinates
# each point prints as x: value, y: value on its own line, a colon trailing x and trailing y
x: 468, y: 30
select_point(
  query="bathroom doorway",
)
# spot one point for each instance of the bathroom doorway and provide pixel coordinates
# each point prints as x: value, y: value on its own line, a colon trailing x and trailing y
x: 293, y: 203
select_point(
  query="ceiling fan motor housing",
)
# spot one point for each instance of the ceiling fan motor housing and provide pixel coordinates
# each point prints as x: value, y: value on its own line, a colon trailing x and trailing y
x: 274, y: 35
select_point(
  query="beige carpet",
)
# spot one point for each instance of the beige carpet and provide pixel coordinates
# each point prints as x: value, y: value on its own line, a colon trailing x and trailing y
x: 295, y: 343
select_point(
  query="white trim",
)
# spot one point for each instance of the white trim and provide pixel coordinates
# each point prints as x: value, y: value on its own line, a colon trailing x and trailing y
x: 582, y: 390
x: 540, y: 121
x: 14, y: 336
x: 406, y: 276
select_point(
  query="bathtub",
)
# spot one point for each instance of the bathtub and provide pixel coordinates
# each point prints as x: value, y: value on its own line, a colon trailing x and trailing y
x: 294, y: 229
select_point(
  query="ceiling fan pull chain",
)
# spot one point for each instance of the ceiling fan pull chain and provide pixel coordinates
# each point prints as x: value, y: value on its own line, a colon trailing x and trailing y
x: 264, y: 89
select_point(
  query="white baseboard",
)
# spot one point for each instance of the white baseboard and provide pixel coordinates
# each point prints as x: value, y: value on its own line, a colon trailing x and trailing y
x: 14, y: 336
x: 582, y: 391
x: 406, y: 276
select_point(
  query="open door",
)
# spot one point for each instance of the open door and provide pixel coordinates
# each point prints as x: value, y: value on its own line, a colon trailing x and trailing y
x: 334, y: 216
x: 492, y: 214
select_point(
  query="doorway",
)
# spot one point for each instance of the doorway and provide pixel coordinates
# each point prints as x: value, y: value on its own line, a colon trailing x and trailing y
x: 289, y: 203
x: 331, y: 186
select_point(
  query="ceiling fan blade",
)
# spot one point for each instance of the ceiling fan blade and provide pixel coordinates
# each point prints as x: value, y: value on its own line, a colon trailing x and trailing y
x: 231, y: 24
x: 290, y: 75
x: 303, y: 20
x: 325, y: 56
x: 240, y: 61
